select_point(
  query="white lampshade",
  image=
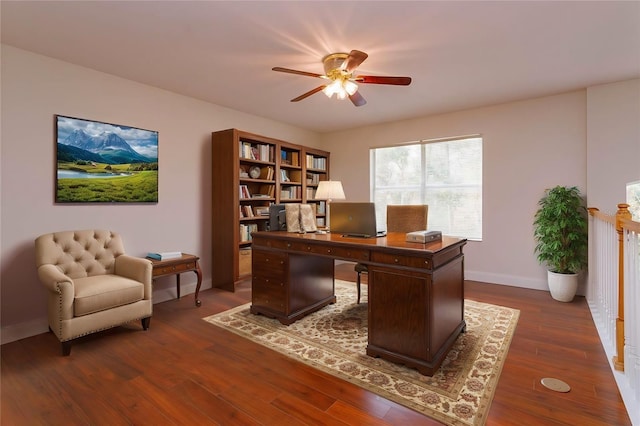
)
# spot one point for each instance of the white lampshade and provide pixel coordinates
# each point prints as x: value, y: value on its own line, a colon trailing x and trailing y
x: 330, y: 190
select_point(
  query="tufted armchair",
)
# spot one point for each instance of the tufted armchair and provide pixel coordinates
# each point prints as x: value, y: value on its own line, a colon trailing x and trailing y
x: 92, y: 284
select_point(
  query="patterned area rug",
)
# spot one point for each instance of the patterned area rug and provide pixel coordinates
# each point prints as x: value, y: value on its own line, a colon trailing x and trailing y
x: 334, y: 340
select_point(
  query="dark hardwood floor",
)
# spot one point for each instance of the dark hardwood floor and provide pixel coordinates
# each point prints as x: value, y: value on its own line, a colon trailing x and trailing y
x: 185, y: 371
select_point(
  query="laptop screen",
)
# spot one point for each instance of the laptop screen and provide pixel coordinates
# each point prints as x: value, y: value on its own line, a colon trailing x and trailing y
x: 354, y: 219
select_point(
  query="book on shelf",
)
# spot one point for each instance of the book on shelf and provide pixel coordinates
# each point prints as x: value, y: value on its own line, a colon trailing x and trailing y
x: 290, y: 158
x: 295, y: 176
x: 266, y: 173
x: 248, y: 211
x: 244, y: 191
x: 313, y: 178
x: 261, y: 210
x: 165, y: 255
x: 246, y: 230
x: 268, y: 190
x: 313, y: 162
x: 311, y: 193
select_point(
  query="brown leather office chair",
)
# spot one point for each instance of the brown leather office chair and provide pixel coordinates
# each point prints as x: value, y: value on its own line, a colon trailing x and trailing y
x: 405, y: 219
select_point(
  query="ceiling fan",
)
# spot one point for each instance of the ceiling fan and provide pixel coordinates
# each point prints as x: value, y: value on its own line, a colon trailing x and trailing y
x: 338, y: 70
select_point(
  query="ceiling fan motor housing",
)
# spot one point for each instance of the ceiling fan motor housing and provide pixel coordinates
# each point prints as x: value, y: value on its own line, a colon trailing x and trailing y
x: 333, y: 64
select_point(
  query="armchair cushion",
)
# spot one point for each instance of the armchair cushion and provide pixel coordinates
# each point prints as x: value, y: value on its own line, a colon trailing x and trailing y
x: 101, y: 292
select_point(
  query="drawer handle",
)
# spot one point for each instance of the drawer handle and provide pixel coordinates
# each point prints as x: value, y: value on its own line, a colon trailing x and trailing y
x: 282, y: 262
x: 288, y: 245
x: 328, y: 250
x: 308, y: 248
x: 396, y: 260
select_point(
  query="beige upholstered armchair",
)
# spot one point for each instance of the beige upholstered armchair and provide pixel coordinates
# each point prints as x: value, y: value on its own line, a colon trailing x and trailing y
x: 92, y: 284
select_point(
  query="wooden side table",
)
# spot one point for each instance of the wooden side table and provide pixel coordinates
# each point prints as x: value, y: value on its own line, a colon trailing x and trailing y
x: 186, y: 263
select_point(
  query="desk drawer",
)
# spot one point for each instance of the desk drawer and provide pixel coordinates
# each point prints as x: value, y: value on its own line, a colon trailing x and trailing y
x: 269, y: 263
x: 268, y: 293
x: 401, y: 260
x: 174, y: 269
x: 321, y: 249
x: 341, y: 252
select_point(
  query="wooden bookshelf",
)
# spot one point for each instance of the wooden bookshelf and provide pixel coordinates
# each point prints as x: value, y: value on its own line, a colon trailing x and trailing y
x: 249, y: 173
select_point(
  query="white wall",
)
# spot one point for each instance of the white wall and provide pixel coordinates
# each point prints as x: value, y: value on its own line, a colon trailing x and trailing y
x: 528, y: 146
x: 34, y: 89
x: 613, y: 142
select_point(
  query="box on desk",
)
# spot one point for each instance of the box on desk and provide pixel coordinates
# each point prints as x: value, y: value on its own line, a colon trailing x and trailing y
x: 424, y: 236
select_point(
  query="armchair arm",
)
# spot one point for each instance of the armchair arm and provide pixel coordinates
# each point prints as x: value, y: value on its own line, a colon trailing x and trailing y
x: 60, y: 286
x: 51, y: 277
x: 137, y: 269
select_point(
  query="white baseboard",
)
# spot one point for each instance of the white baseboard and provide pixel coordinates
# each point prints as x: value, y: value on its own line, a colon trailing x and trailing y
x: 23, y: 330
x: 510, y: 280
x: 20, y: 331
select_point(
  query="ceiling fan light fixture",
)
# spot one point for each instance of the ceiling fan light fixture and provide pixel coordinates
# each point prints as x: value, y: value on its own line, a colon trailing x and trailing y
x: 335, y: 87
x: 350, y: 87
x: 342, y: 88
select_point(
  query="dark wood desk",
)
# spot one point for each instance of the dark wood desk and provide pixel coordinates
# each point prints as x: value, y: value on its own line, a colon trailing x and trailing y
x: 186, y: 263
x: 416, y: 291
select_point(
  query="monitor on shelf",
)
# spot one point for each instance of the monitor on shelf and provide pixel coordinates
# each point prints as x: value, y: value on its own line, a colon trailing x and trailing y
x: 277, y: 217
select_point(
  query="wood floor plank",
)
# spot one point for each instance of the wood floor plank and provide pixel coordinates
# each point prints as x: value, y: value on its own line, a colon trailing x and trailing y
x: 183, y: 370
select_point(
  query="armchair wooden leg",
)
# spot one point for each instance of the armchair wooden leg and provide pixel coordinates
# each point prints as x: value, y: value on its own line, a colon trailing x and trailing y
x: 66, y: 348
x: 145, y: 323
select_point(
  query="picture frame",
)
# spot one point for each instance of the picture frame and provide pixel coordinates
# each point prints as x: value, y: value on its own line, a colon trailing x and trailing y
x: 99, y: 162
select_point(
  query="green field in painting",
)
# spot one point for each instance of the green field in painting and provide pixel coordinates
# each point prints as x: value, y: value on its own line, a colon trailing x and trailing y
x: 138, y: 187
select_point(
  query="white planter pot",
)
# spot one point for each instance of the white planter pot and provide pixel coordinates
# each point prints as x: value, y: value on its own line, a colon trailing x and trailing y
x: 563, y: 287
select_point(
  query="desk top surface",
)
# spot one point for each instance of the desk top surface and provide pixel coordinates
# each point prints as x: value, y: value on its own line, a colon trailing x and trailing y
x: 394, y: 240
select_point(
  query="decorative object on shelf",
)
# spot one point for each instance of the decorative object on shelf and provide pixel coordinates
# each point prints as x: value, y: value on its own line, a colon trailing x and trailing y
x: 89, y: 173
x: 329, y: 190
x: 561, y: 234
x: 254, y: 172
x: 338, y: 72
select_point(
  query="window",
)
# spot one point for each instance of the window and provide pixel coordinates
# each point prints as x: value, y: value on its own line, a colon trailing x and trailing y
x: 445, y: 174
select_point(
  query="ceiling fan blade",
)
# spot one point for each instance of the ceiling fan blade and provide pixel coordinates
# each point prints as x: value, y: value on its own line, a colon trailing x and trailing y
x: 309, y: 93
x: 357, y: 99
x: 290, y: 71
x: 372, y: 79
x: 354, y: 59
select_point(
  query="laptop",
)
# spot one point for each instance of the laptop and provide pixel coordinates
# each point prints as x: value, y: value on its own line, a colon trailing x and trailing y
x: 354, y: 220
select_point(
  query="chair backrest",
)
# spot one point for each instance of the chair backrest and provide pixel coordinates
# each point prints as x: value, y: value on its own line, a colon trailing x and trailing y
x: 407, y: 218
x: 80, y: 254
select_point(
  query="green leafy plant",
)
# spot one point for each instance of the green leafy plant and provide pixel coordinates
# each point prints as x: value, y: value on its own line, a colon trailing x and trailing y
x: 561, y: 230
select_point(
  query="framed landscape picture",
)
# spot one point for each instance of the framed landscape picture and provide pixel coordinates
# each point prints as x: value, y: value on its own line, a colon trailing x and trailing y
x: 100, y: 162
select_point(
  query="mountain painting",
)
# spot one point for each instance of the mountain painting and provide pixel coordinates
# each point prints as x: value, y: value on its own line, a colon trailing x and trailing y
x: 105, y: 163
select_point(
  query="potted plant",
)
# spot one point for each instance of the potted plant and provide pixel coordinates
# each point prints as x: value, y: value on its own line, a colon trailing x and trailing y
x: 561, y: 234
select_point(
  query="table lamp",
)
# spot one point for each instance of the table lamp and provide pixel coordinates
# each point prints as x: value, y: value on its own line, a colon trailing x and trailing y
x: 329, y: 190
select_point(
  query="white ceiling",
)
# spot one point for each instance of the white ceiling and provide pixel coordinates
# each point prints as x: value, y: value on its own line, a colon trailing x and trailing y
x: 459, y: 54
